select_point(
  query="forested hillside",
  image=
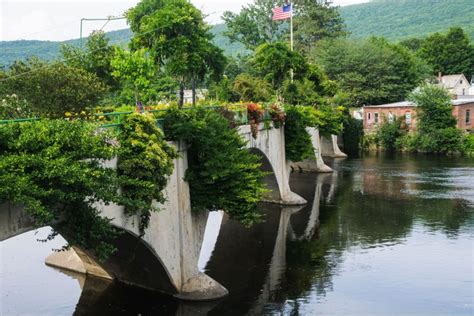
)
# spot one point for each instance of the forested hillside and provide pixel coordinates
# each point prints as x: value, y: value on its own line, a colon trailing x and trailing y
x: 393, y: 19
x: 19, y: 50
x: 401, y: 19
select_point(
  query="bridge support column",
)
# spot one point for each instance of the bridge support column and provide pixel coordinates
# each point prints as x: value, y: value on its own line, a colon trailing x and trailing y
x: 315, y: 164
x: 270, y: 142
x: 330, y: 148
x: 166, y: 257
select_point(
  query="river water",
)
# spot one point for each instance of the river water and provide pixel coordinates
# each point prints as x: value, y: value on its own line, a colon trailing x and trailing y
x: 382, y: 235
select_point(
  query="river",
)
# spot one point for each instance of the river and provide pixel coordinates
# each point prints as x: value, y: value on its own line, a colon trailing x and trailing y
x: 382, y: 235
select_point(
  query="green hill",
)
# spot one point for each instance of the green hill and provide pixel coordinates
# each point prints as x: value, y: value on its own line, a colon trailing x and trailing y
x: 393, y: 19
x: 401, y: 19
x: 20, y: 50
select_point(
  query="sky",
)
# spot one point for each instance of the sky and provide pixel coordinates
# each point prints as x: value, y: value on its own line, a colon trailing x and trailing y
x: 58, y: 20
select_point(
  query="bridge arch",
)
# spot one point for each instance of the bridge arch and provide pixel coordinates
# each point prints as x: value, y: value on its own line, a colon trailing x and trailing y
x: 134, y: 262
x: 270, y: 180
x: 270, y: 143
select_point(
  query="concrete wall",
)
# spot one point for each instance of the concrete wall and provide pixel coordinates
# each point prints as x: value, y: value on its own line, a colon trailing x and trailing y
x: 174, y: 235
x: 330, y: 148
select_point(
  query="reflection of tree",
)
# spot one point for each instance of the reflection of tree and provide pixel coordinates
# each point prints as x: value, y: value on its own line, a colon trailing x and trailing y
x: 370, y: 209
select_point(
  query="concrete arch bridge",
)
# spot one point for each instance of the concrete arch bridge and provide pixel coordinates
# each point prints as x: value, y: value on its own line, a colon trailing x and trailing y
x: 166, y: 258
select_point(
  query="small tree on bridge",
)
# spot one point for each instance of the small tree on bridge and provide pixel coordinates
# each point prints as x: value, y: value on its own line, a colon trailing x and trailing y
x: 175, y: 31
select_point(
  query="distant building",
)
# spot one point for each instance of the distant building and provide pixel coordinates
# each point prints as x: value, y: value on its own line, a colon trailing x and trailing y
x: 188, y: 95
x: 471, y: 89
x: 455, y: 84
x: 357, y: 113
x: 375, y: 115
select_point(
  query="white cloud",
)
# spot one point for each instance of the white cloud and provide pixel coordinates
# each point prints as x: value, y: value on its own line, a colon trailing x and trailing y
x: 60, y: 19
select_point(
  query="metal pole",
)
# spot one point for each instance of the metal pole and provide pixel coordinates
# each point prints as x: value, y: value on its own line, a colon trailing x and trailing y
x: 81, y: 31
x: 108, y: 19
x: 291, y: 37
x: 291, y: 26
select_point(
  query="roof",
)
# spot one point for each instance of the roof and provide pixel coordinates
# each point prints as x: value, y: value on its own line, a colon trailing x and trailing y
x: 450, y: 81
x: 463, y: 101
x: 392, y: 105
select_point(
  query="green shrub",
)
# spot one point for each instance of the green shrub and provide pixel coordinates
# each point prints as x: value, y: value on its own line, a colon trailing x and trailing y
x: 447, y: 140
x: 468, y: 144
x: 145, y: 163
x: 352, y: 135
x: 52, y: 89
x: 388, y: 134
x: 53, y: 169
x: 222, y: 173
x: 298, y: 145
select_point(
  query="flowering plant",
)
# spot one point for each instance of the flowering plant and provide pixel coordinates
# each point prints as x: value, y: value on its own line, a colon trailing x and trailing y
x: 255, y: 116
x: 277, y: 115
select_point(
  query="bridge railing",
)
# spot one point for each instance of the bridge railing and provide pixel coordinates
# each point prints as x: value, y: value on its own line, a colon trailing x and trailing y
x: 115, y: 119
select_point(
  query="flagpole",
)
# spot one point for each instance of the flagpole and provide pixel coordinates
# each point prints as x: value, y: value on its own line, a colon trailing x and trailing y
x: 291, y: 37
x: 291, y: 26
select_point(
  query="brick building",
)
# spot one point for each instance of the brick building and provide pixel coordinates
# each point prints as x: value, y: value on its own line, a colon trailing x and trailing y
x: 375, y: 115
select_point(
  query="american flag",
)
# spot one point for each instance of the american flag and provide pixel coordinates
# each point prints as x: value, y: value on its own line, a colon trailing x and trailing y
x: 282, y: 13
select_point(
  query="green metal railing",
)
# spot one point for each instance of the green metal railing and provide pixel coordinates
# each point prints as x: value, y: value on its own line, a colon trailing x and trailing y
x: 115, y: 118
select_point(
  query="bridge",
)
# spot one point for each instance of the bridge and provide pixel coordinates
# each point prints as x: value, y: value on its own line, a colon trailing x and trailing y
x: 166, y: 258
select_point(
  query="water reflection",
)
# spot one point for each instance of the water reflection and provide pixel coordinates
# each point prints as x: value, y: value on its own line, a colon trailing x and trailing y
x: 381, y: 235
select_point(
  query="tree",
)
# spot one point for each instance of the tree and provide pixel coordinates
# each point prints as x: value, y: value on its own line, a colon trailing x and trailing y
x: 51, y: 89
x: 414, y: 44
x: 135, y: 71
x: 274, y: 62
x: 449, y: 54
x: 434, y: 109
x: 174, y: 30
x: 253, y: 26
x: 94, y: 58
x: 371, y: 71
x: 437, y: 130
x: 313, y: 21
x: 311, y: 89
x: 249, y: 88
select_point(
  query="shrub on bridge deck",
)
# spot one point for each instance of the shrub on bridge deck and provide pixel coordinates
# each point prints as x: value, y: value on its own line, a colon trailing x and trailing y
x: 145, y: 163
x: 53, y: 169
x: 222, y: 173
x: 298, y: 144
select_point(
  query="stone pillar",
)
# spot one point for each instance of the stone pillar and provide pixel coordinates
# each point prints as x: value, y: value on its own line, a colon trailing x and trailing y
x: 271, y: 143
x: 166, y: 257
x: 315, y: 164
x: 330, y: 148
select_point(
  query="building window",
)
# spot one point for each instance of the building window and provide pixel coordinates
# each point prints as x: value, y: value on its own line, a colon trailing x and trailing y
x: 368, y: 116
x: 463, y: 91
x: 408, y: 118
x: 468, y: 117
x: 376, y: 117
x: 391, y: 117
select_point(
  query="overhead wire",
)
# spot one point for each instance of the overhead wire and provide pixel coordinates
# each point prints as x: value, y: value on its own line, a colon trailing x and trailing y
x: 75, y: 57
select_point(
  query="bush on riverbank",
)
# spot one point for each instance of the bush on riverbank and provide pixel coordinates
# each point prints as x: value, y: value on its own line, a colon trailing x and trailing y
x: 436, y: 133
